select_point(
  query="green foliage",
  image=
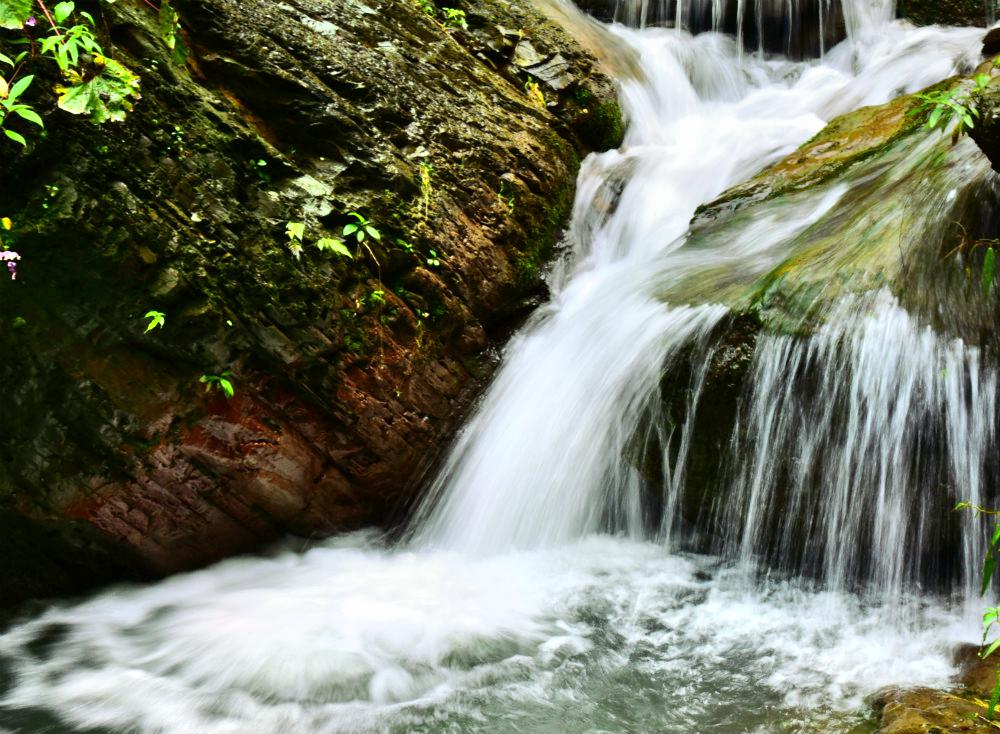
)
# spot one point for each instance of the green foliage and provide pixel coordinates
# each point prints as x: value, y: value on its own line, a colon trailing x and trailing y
x: 15, y: 13
x: 507, y: 196
x: 222, y: 382
x: 450, y: 17
x: 360, y: 228
x: 991, y: 617
x: 433, y: 260
x: 332, y: 244
x: 946, y: 105
x: 107, y: 96
x: 9, y: 105
x: 989, y: 270
x: 92, y: 84
x: 454, y: 18
x: 376, y: 298
x: 295, y: 231
x: 156, y: 319
x: 170, y: 31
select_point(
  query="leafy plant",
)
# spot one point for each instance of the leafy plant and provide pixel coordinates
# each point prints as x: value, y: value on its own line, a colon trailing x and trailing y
x: 946, y: 105
x: 425, y: 5
x: 295, y: 231
x: 221, y: 382
x: 332, y: 244
x: 454, y: 18
x: 170, y: 31
x: 156, y: 320
x: 360, y: 228
x: 433, y: 260
x: 9, y: 105
x: 535, y: 94
x: 92, y: 83
x: 506, y: 196
x: 991, y: 617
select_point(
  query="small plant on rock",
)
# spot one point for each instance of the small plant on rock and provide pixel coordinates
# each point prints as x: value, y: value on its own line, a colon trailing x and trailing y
x: 221, y: 382
x: 156, y: 320
x: 454, y: 18
x: 361, y: 228
x: 991, y: 617
x: 946, y: 105
x: 295, y: 232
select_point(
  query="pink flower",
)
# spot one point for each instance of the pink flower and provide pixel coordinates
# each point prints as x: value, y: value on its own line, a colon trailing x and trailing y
x: 31, y: 22
x: 11, y: 258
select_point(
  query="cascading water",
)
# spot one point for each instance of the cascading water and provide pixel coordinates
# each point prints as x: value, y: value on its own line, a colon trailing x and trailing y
x: 546, y: 586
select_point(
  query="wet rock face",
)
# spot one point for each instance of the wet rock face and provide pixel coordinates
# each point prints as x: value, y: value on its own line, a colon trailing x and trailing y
x: 114, y: 460
x: 986, y: 132
x: 945, y: 12
x: 922, y: 710
x: 799, y: 30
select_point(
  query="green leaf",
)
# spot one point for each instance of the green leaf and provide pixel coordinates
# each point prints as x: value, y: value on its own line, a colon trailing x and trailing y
x: 15, y: 13
x: 989, y: 270
x: 62, y: 11
x: 4, y: 59
x: 373, y: 232
x: 17, y: 138
x: 30, y: 115
x: 350, y: 229
x: 156, y: 319
x: 106, y: 97
x: 169, y: 26
x: 334, y: 245
x: 935, y: 117
x: 360, y: 235
x: 991, y: 649
x: 295, y: 230
x: 994, y: 700
x: 19, y: 88
x: 227, y: 387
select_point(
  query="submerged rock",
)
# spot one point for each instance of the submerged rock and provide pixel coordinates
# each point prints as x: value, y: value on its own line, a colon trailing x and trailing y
x: 348, y: 373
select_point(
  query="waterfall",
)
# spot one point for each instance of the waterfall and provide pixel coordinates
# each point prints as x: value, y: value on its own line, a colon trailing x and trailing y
x: 670, y: 511
x: 791, y: 27
x: 851, y: 446
x: 854, y: 447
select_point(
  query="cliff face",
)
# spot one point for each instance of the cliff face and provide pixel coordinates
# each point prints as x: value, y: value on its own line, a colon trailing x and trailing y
x: 459, y: 145
x: 946, y: 12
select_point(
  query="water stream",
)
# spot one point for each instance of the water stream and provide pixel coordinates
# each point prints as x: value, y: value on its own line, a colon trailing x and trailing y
x: 539, y: 590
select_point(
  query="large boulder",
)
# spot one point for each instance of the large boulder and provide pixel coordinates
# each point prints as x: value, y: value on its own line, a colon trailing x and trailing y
x: 348, y: 373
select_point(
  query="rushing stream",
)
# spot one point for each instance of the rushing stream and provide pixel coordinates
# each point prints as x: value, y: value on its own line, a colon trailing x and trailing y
x: 535, y: 593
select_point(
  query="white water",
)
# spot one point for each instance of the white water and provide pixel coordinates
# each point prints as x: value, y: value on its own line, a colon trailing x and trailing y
x: 510, y: 610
